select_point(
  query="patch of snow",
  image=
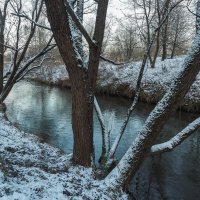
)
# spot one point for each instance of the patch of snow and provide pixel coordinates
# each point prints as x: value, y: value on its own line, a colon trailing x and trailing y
x: 30, y: 170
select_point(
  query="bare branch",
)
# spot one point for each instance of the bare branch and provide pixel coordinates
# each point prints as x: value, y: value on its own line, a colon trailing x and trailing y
x: 31, y: 69
x: 9, y: 47
x: 113, y: 62
x: 31, y: 20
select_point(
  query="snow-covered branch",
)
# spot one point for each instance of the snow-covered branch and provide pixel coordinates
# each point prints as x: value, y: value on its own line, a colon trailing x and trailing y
x: 135, y: 155
x: 177, y: 139
x: 79, y: 24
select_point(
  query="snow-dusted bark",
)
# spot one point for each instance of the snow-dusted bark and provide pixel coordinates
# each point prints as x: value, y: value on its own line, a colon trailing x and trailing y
x: 123, y: 127
x: 103, y: 128
x: 76, y: 34
x: 177, y: 139
x: 137, y: 89
x: 83, y: 80
x: 135, y: 155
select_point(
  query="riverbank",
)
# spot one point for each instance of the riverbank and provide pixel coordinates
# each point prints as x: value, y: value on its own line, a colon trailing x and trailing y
x: 120, y: 80
x: 30, y: 169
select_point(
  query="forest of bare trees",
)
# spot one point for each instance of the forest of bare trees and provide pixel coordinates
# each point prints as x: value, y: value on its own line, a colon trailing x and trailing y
x: 149, y: 30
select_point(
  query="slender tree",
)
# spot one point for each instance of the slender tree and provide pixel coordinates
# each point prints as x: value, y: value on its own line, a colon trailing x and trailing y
x: 21, y: 64
x: 3, y: 14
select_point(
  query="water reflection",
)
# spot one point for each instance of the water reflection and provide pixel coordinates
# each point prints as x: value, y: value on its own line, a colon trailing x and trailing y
x: 46, y: 112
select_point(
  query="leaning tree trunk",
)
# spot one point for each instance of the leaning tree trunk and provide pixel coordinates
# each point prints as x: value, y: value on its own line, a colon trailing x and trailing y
x: 131, y: 161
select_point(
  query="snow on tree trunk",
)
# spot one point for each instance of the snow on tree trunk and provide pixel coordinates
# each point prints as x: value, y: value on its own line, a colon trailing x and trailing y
x: 177, y: 139
x: 131, y: 161
x: 82, y: 74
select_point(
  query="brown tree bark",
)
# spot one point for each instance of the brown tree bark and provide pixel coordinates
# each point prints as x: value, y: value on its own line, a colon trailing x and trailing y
x: 164, y: 41
x: 1, y: 50
x: 83, y: 78
x: 165, y: 29
x: 82, y: 119
x: 156, y: 50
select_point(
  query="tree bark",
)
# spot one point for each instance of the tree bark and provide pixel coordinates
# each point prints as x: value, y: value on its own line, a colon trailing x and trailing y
x: 1, y: 64
x: 156, y: 50
x: 1, y: 50
x: 165, y: 29
x: 164, y: 41
x: 175, y: 37
x: 82, y: 120
x: 83, y: 78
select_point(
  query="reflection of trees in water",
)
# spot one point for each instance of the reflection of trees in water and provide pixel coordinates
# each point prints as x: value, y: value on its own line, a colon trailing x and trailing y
x: 147, y: 183
x: 46, y: 111
x: 173, y: 175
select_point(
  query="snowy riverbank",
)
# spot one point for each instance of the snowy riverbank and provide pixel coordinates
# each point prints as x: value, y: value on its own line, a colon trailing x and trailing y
x: 120, y: 80
x: 30, y: 170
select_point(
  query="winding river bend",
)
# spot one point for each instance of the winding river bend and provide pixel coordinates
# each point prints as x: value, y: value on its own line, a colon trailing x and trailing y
x: 46, y: 112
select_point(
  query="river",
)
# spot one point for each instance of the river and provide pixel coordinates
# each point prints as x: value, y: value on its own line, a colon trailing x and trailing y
x: 46, y: 112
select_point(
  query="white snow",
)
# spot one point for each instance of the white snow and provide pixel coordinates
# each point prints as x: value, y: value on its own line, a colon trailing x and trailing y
x: 177, y: 139
x: 121, y: 79
x: 30, y: 170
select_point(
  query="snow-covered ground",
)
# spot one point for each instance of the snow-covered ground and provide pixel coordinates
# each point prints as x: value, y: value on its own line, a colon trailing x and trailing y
x: 31, y: 170
x: 121, y: 80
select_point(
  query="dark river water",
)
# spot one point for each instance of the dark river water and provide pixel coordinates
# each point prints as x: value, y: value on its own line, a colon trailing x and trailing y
x: 46, y: 112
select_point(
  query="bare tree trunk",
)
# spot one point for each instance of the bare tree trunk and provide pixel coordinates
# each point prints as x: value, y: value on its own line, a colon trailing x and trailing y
x: 157, y: 50
x: 175, y: 37
x: 1, y: 63
x: 165, y: 29
x: 104, y: 132
x: 1, y: 50
x: 82, y: 120
x: 164, y: 41
x: 158, y: 35
x: 83, y: 78
x: 174, y: 45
